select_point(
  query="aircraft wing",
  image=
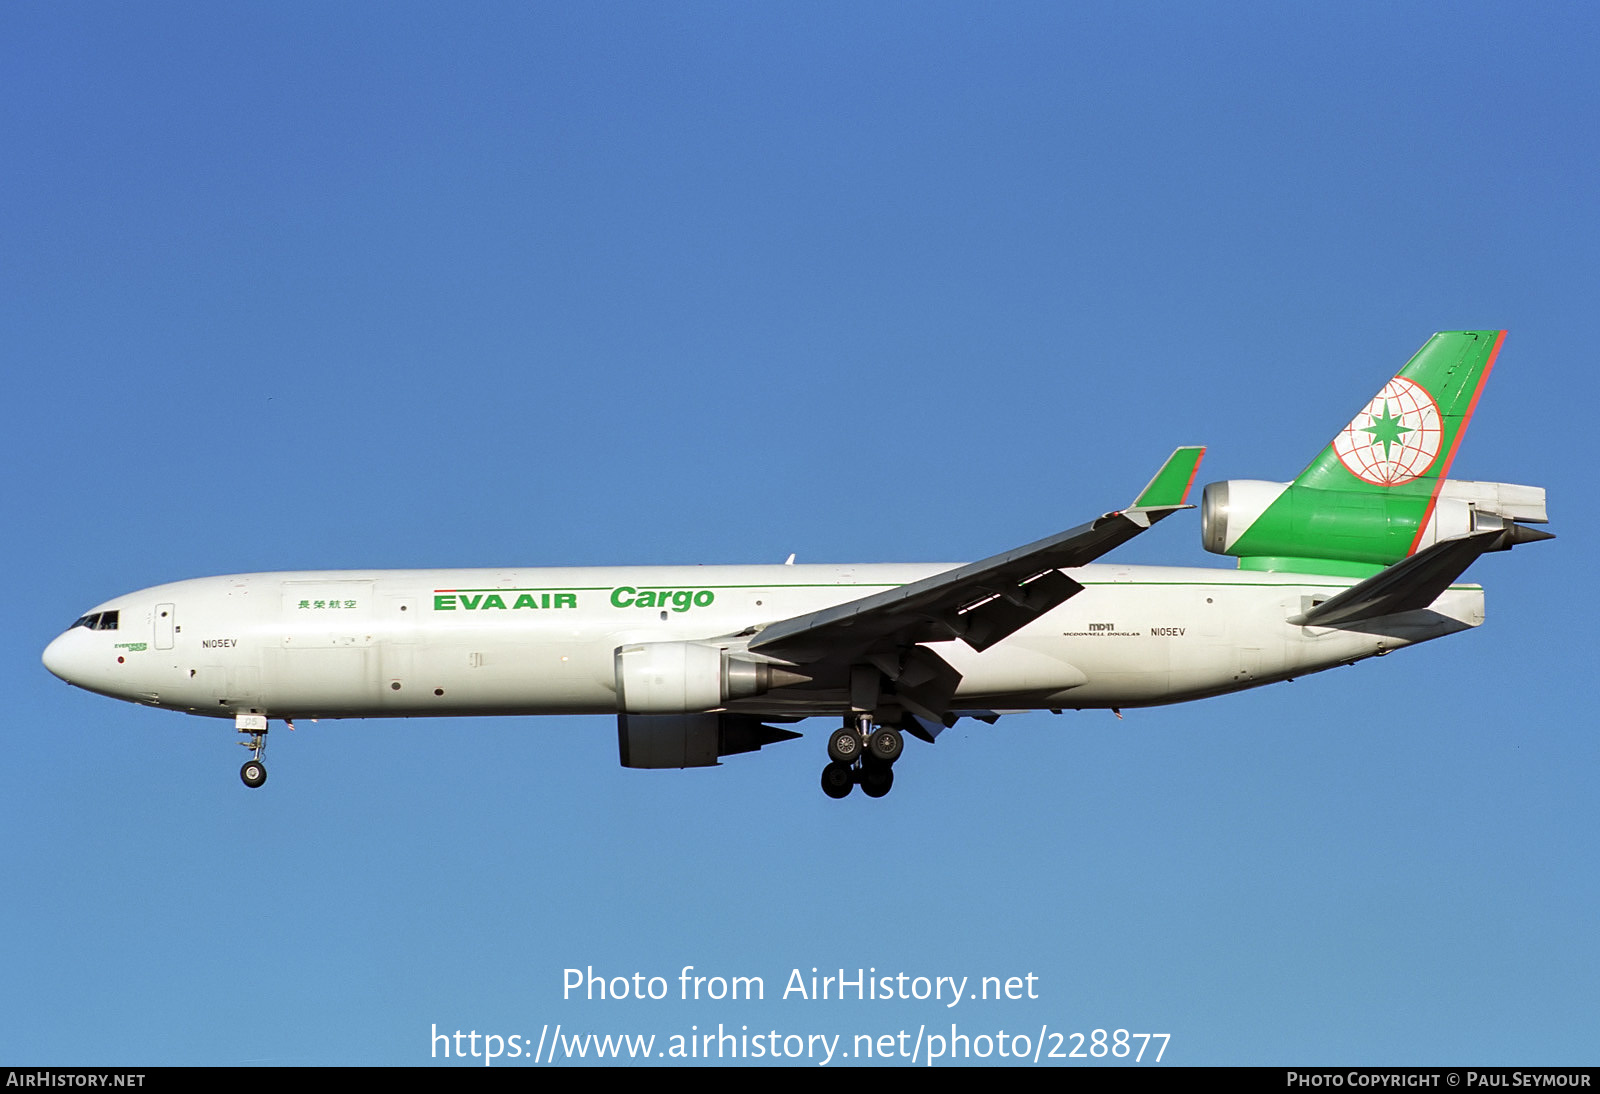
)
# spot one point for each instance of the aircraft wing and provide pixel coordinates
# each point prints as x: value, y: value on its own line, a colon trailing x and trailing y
x: 983, y: 602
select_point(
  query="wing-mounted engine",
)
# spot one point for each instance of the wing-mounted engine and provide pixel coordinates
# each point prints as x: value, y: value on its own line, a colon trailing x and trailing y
x: 686, y: 677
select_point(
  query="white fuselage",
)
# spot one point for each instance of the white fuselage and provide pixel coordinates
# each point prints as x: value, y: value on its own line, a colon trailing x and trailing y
x: 398, y: 643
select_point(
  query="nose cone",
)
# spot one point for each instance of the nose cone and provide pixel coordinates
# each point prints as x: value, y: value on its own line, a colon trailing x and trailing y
x: 58, y: 657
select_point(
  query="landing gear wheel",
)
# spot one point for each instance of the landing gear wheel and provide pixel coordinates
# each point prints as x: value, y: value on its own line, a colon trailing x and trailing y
x: 837, y: 779
x: 254, y: 773
x: 886, y: 744
x: 844, y: 746
x: 877, y: 780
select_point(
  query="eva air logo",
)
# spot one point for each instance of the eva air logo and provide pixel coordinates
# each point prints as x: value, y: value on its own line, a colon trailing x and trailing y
x: 1395, y: 438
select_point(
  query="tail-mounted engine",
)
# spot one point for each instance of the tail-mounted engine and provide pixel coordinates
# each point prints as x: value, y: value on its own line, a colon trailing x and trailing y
x: 1276, y: 521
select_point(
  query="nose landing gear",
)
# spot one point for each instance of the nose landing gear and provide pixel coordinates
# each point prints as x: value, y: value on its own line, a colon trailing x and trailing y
x: 864, y: 754
x: 254, y: 772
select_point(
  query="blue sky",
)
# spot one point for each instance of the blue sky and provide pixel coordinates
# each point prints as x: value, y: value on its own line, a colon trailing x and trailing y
x: 305, y: 286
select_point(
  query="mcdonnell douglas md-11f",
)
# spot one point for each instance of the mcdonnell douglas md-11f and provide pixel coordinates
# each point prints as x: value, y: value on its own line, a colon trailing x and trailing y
x: 1358, y: 556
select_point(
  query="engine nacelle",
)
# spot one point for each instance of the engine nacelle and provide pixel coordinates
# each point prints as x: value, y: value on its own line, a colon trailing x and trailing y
x: 1227, y: 509
x: 1366, y: 526
x: 685, y: 677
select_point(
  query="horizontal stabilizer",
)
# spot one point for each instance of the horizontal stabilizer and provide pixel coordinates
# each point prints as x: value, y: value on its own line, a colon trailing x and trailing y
x: 1410, y: 584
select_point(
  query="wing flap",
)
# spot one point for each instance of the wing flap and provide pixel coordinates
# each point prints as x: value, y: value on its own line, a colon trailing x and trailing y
x: 1011, y: 609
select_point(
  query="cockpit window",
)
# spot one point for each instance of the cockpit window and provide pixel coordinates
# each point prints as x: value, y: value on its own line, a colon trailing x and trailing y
x: 108, y: 621
x: 99, y: 621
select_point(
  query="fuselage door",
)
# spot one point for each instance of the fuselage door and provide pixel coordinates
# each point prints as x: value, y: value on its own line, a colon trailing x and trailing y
x: 165, y: 617
x: 398, y: 649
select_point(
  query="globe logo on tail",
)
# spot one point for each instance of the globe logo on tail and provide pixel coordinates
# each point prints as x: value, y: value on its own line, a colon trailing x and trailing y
x: 1395, y: 438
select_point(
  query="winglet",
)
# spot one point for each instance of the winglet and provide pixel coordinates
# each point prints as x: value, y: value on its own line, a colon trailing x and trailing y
x: 1171, y: 485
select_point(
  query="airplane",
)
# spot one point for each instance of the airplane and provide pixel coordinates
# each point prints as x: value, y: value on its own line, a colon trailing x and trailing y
x: 1355, y: 558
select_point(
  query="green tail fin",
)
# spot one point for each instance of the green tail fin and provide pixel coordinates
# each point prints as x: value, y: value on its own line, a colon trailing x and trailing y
x: 1405, y: 439
x: 1366, y: 499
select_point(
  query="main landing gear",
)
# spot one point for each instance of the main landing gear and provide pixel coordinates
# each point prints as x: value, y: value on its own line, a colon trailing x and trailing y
x: 862, y: 753
x: 254, y: 772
